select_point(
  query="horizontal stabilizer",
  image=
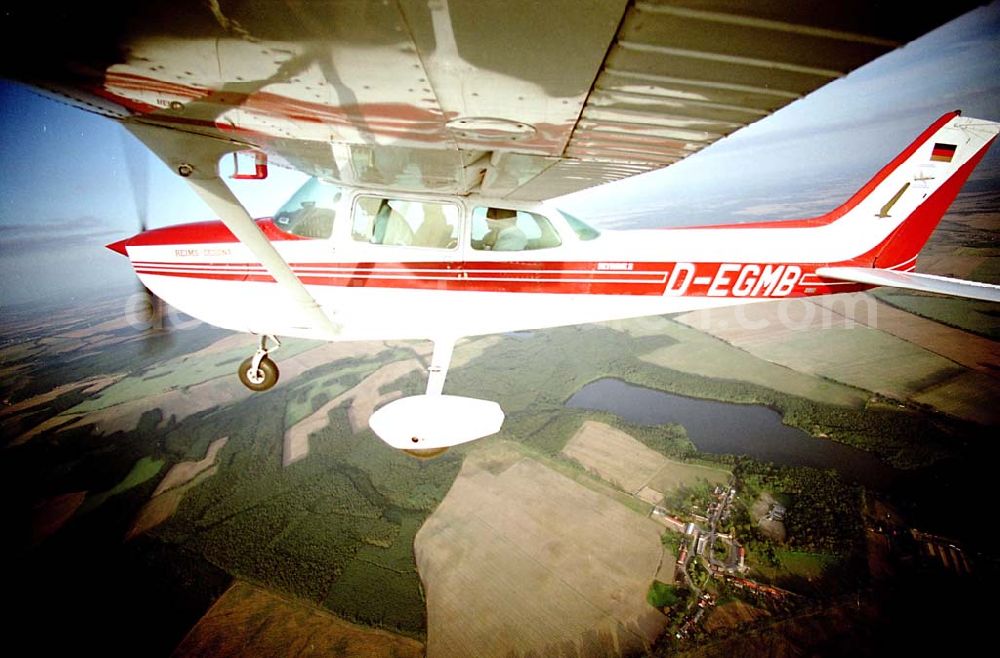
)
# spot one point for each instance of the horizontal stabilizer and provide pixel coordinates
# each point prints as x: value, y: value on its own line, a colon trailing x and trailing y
x: 924, y: 282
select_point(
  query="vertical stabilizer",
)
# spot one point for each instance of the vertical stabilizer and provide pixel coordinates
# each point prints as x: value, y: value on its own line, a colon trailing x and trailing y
x: 897, y: 211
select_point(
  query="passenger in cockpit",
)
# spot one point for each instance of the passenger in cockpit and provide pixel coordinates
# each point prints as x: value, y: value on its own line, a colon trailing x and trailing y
x: 434, y: 231
x: 390, y: 227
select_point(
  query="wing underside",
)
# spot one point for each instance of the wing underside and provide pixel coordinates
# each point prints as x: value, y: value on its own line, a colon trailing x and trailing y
x: 524, y: 100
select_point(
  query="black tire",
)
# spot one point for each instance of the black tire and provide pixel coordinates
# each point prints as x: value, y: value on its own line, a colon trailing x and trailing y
x: 268, y: 370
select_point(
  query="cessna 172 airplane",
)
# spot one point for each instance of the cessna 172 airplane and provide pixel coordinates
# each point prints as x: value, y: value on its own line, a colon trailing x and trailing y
x: 436, y: 131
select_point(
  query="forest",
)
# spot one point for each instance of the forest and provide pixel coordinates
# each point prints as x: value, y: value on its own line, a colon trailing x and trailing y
x: 823, y: 552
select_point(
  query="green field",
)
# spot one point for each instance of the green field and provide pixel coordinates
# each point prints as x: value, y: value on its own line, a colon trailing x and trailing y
x: 701, y: 354
x: 861, y: 357
x: 662, y: 595
x: 312, y: 394
x: 675, y: 475
x: 807, y: 565
x: 972, y: 316
x: 802, y: 570
x: 969, y: 394
x: 145, y: 469
x: 182, y: 372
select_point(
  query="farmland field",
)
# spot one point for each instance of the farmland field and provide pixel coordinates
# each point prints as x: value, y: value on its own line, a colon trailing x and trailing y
x: 625, y: 462
x: 732, y: 615
x: 614, y: 456
x: 969, y: 350
x: 674, y: 475
x: 705, y: 355
x: 971, y: 395
x: 861, y: 357
x: 810, y: 338
x: 250, y: 621
x: 976, y: 317
x: 518, y: 558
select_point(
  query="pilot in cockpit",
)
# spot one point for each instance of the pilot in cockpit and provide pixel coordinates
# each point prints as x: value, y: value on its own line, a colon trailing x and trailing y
x: 503, y: 234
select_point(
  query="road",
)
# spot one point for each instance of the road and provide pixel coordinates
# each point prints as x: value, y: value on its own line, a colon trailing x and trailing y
x: 712, y: 534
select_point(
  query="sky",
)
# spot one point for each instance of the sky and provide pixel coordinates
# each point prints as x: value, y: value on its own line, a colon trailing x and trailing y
x: 65, y: 186
x: 835, y: 139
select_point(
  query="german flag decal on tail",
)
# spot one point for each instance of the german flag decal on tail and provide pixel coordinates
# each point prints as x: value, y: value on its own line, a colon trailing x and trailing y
x: 943, y: 152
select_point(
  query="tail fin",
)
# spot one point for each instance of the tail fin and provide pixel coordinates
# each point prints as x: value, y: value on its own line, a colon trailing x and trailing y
x: 887, y: 222
x: 899, y: 208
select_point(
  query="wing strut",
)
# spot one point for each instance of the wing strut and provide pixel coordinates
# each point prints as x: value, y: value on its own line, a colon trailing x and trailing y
x: 440, y: 360
x: 196, y: 158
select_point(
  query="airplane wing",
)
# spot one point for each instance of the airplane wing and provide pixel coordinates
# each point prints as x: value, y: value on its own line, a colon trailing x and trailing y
x: 913, y: 281
x: 523, y: 100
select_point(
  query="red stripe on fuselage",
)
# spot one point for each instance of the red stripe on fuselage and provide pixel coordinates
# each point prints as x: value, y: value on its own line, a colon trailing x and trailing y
x: 735, y: 280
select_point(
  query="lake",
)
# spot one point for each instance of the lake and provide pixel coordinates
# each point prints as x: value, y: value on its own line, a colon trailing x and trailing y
x: 737, y: 429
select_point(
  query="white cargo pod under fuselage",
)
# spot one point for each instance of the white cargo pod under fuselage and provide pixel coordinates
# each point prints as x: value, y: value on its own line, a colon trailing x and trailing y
x: 434, y: 422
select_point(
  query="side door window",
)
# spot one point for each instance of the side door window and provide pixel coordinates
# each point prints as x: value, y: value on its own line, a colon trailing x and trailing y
x: 502, y: 229
x: 406, y: 223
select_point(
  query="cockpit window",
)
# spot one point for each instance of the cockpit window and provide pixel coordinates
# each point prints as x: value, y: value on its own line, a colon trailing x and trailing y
x: 379, y: 220
x: 583, y: 230
x: 500, y: 229
x: 311, y: 211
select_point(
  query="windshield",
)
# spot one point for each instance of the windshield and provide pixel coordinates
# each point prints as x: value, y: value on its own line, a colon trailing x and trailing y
x: 583, y: 230
x: 311, y: 211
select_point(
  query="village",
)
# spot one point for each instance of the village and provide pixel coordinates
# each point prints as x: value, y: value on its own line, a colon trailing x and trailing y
x: 715, y: 555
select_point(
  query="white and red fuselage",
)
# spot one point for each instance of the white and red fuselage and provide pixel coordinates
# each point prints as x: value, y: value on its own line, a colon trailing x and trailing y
x: 394, y: 291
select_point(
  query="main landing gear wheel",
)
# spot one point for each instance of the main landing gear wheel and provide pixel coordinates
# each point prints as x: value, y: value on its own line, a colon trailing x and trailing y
x: 259, y: 373
x: 260, y: 379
